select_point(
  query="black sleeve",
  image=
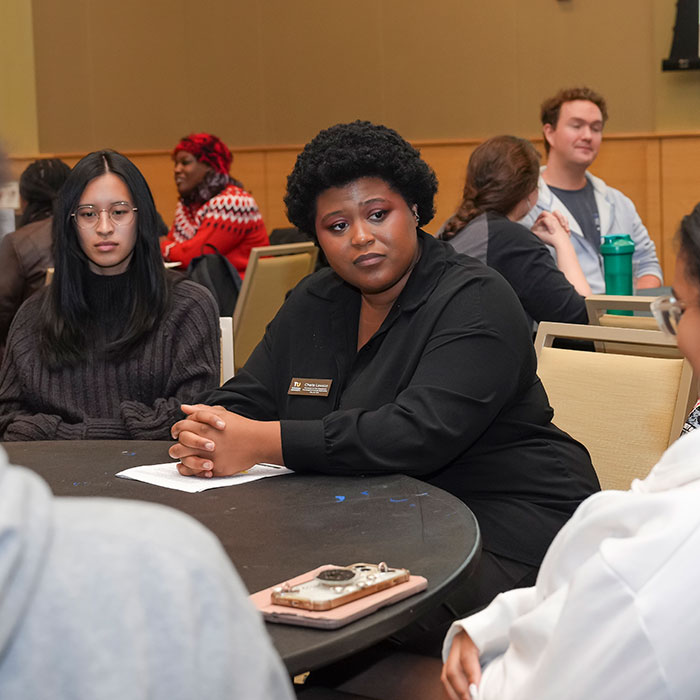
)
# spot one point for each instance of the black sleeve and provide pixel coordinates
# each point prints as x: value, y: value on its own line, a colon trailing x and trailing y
x: 525, y: 261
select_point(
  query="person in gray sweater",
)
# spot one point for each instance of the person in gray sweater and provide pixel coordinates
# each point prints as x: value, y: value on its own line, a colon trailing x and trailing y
x: 106, y: 599
x: 114, y: 345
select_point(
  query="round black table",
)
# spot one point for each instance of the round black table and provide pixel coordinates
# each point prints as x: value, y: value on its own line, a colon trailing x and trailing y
x: 276, y: 528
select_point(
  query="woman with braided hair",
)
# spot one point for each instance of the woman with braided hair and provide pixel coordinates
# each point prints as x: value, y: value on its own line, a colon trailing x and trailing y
x: 213, y: 207
x: 501, y: 187
x: 25, y: 254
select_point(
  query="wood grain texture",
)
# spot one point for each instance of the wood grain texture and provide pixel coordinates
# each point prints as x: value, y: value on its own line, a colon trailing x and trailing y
x: 658, y: 172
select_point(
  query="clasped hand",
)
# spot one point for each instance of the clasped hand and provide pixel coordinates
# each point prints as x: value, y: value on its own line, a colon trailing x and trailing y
x: 211, y: 442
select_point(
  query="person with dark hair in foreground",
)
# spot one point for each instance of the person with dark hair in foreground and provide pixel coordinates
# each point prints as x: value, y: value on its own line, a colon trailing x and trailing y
x: 213, y: 209
x: 614, y: 611
x: 25, y: 254
x: 115, y: 343
x: 425, y: 355
x: 501, y: 187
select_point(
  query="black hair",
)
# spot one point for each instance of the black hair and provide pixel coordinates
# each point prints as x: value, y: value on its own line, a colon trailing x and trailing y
x: 38, y: 186
x: 66, y: 320
x: 689, y: 243
x: 346, y: 152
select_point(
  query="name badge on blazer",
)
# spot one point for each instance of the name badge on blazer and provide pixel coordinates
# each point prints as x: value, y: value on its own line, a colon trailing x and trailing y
x: 302, y: 386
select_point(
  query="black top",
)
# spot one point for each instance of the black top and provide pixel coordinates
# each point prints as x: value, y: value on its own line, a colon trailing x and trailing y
x: 445, y: 390
x: 109, y: 305
x: 526, y: 263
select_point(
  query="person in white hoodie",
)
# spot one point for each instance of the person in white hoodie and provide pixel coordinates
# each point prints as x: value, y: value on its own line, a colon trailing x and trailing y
x: 615, y: 611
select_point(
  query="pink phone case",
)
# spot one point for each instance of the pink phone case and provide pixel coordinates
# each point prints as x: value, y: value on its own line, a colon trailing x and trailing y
x: 335, y: 617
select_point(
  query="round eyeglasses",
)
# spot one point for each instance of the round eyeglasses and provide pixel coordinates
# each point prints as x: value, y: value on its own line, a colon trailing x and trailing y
x: 667, y: 312
x: 120, y: 213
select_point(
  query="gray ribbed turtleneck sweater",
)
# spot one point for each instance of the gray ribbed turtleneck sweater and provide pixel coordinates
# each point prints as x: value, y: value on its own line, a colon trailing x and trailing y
x: 137, y: 396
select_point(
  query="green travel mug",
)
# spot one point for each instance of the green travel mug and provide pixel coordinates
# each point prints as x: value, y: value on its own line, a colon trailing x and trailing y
x: 617, y: 254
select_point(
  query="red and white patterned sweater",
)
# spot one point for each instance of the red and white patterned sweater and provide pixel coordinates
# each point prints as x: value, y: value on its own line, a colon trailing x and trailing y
x: 231, y: 221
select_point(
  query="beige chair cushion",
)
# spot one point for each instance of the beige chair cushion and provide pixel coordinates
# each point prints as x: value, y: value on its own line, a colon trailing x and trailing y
x: 620, y: 407
x: 272, y: 271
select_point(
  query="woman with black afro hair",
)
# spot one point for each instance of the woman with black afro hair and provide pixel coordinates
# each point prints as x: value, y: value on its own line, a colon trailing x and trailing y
x: 402, y: 357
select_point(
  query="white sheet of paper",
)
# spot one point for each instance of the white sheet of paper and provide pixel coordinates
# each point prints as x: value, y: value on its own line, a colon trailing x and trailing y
x: 168, y: 476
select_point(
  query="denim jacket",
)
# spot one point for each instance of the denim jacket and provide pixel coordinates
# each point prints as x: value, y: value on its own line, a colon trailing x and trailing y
x: 617, y: 216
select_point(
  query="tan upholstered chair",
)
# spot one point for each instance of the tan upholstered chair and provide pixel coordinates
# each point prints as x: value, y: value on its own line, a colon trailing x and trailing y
x: 227, y: 363
x: 272, y: 271
x: 626, y: 409
x: 597, y: 306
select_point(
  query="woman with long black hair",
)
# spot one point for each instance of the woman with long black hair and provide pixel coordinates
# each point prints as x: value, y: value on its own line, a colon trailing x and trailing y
x: 115, y: 343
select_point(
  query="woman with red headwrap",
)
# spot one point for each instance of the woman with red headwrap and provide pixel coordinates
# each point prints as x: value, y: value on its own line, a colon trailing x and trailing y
x: 213, y: 207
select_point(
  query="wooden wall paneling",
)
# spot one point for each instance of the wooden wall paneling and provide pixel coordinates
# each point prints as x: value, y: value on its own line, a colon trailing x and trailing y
x: 658, y: 172
x: 157, y: 168
x: 680, y: 190
x: 449, y: 161
x: 249, y: 167
x: 278, y: 165
x: 654, y: 212
x: 622, y: 164
x: 632, y: 166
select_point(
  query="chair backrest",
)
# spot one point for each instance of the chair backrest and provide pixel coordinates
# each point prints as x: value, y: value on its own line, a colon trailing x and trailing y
x: 626, y: 409
x: 227, y: 363
x: 597, y: 306
x: 271, y: 272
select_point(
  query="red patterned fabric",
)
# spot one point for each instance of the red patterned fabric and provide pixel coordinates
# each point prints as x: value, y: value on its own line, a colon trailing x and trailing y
x: 231, y: 221
x: 207, y: 149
